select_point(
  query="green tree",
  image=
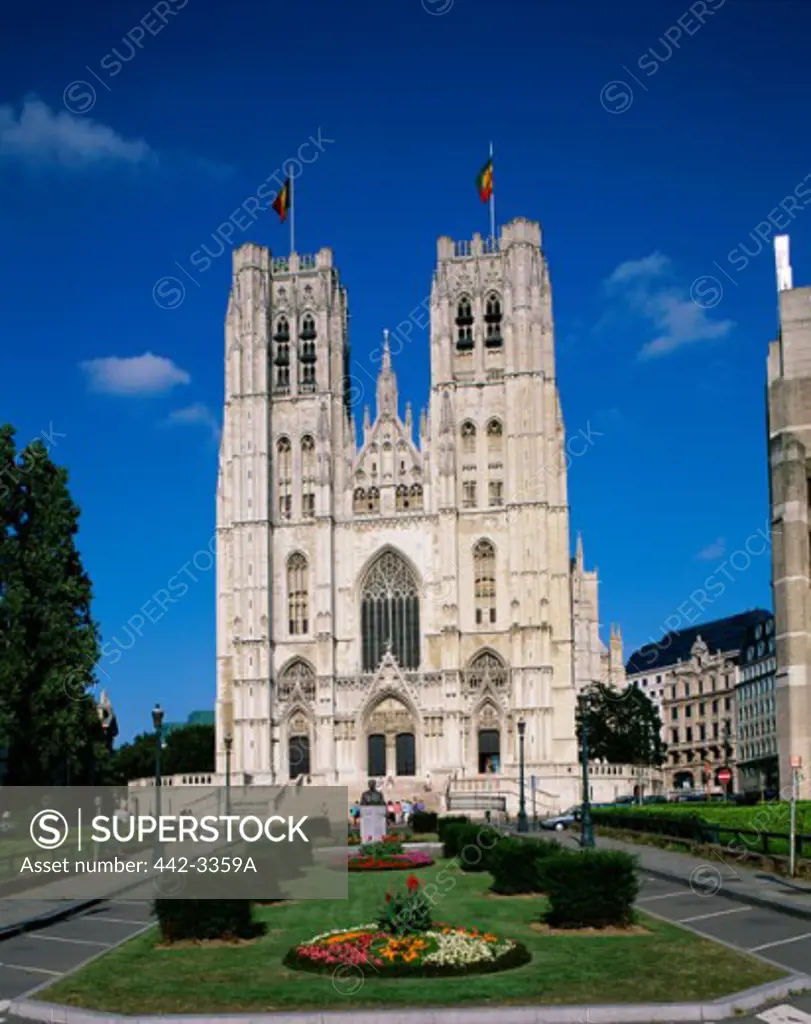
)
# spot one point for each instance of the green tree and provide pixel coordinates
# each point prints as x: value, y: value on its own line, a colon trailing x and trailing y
x: 188, y: 749
x: 49, y: 643
x: 623, y: 726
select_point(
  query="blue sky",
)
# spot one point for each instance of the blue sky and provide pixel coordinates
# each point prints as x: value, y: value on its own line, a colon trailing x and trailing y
x: 652, y: 141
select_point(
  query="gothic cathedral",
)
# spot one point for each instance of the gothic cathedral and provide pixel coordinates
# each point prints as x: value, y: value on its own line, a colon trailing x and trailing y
x: 394, y: 609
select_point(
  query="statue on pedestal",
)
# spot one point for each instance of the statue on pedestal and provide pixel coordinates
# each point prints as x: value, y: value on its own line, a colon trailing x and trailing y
x: 372, y: 798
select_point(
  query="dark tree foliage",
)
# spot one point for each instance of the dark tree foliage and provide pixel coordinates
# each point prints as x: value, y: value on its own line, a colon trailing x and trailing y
x: 623, y: 727
x: 188, y: 749
x: 49, y: 644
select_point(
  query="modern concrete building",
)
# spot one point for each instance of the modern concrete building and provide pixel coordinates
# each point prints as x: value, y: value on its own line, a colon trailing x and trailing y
x: 789, y: 425
x: 755, y: 709
x: 396, y: 608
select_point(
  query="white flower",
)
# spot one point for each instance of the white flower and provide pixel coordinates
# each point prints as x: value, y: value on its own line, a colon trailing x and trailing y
x: 460, y: 949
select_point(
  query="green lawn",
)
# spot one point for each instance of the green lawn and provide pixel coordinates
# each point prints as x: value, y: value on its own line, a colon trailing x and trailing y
x: 667, y: 964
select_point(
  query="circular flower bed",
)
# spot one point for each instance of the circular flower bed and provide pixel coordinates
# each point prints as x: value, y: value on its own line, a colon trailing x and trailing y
x: 440, y: 951
x: 390, y: 861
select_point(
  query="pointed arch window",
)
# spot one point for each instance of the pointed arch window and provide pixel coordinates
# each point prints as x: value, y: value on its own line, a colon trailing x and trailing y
x: 307, y: 477
x: 359, y: 501
x: 484, y: 582
x: 297, y: 594
x: 402, y: 503
x: 390, y: 613
x: 486, y: 669
x: 284, y: 476
x: 492, y: 322
x: 282, y: 358
x: 307, y: 356
x: 464, y: 324
x: 495, y: 468
x: 373, y: 500
x: 468, y: 438
x: 300, y: 675
x: 415, y: 496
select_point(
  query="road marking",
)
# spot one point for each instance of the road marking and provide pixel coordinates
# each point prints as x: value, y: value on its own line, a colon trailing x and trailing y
x: 782, y: 942
x: 115, y: 920
x: 33, y: 970
x: 666, y: 895
x: 718, y: 913
x: 78, y: 942
x: 785, y: 1014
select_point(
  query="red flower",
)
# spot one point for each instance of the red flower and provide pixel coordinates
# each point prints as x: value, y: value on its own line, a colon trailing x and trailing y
x: 412, y: 883
x: 388, y: 897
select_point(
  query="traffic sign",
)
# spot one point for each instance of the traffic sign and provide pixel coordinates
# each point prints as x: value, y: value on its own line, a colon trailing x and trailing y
x: 724, y: 776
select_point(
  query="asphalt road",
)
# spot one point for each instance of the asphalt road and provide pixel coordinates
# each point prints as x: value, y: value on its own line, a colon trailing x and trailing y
x: 36, y: 959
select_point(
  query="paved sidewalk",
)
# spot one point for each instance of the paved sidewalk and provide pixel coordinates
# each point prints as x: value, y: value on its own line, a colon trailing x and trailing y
x: 717, y: 874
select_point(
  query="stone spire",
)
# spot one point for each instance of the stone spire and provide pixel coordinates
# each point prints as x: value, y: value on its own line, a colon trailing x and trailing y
x: 386, y: 384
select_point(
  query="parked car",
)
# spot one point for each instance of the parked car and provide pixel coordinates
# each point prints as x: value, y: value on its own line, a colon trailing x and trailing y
x: 560, y: 822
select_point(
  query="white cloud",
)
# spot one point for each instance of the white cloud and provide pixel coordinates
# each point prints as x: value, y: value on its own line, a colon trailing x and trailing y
x: 713, y: 551
x: 139, y: 375
x: 647, y: 288
x: 40, y: 135
x: 197, y: 413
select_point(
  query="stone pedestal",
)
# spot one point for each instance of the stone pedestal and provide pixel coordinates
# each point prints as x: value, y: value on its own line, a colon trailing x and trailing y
x: 372, y: 823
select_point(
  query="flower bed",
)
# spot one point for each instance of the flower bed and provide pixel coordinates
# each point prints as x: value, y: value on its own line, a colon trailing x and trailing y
x: 440, y: 951
x: 390, y: 861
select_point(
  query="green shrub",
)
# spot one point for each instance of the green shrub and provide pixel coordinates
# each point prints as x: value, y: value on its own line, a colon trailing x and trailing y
x: 518, y: 865
x: 206, y: 919
x: 443, y: 824
x: 474, y: 844
x: 424, y: 821
x: 448, y: 829
x: 592, y: 889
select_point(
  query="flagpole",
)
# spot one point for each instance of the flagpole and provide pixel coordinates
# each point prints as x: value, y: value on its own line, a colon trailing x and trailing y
x: 492, y: 199
x: 292, y: 217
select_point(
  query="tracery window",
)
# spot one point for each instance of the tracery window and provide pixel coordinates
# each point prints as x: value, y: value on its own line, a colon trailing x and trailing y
x: 401, y: 499
x: 359, y: 501
x: 484, y: 582
x: 486, y: 668
x: 284, y: 476
x: 307, y: 477
x: 307, y: 357
x: 297, y: 594
x: 299, y: 674
x: 492, y: 322
x: 495, y: 434
x: 390, y: 613
x: 464, y: 325
x: 282, y: 357
x: 373, y: 500
x: 468, y: 438
x: 415, y: 496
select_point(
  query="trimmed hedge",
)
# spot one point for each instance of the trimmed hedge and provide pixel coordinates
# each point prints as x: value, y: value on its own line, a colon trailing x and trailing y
x: 591, y: 889
x: 206, y: 919
x: 519, y: 865
x: 470, y: 844
x: 424, y: 821
x: 444, y: 824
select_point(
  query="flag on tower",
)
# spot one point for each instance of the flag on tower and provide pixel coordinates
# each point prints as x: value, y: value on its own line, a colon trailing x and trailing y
x: 281, y: 204
x: 484, y: 182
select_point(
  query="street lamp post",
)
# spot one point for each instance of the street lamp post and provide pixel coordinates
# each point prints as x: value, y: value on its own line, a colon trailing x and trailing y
x: 523, y: 823
x: 586, y: 826
x: 228, y: 740
x: 157, y: 721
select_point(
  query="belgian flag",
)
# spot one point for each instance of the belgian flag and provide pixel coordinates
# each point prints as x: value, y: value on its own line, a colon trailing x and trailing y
x: 281, y: 204
x: 484, y: 182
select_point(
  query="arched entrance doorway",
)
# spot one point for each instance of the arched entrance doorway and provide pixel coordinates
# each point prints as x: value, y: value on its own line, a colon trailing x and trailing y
x: 391, y: 744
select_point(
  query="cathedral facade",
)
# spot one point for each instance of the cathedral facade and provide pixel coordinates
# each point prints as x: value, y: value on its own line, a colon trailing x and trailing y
x: 397, y: 608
